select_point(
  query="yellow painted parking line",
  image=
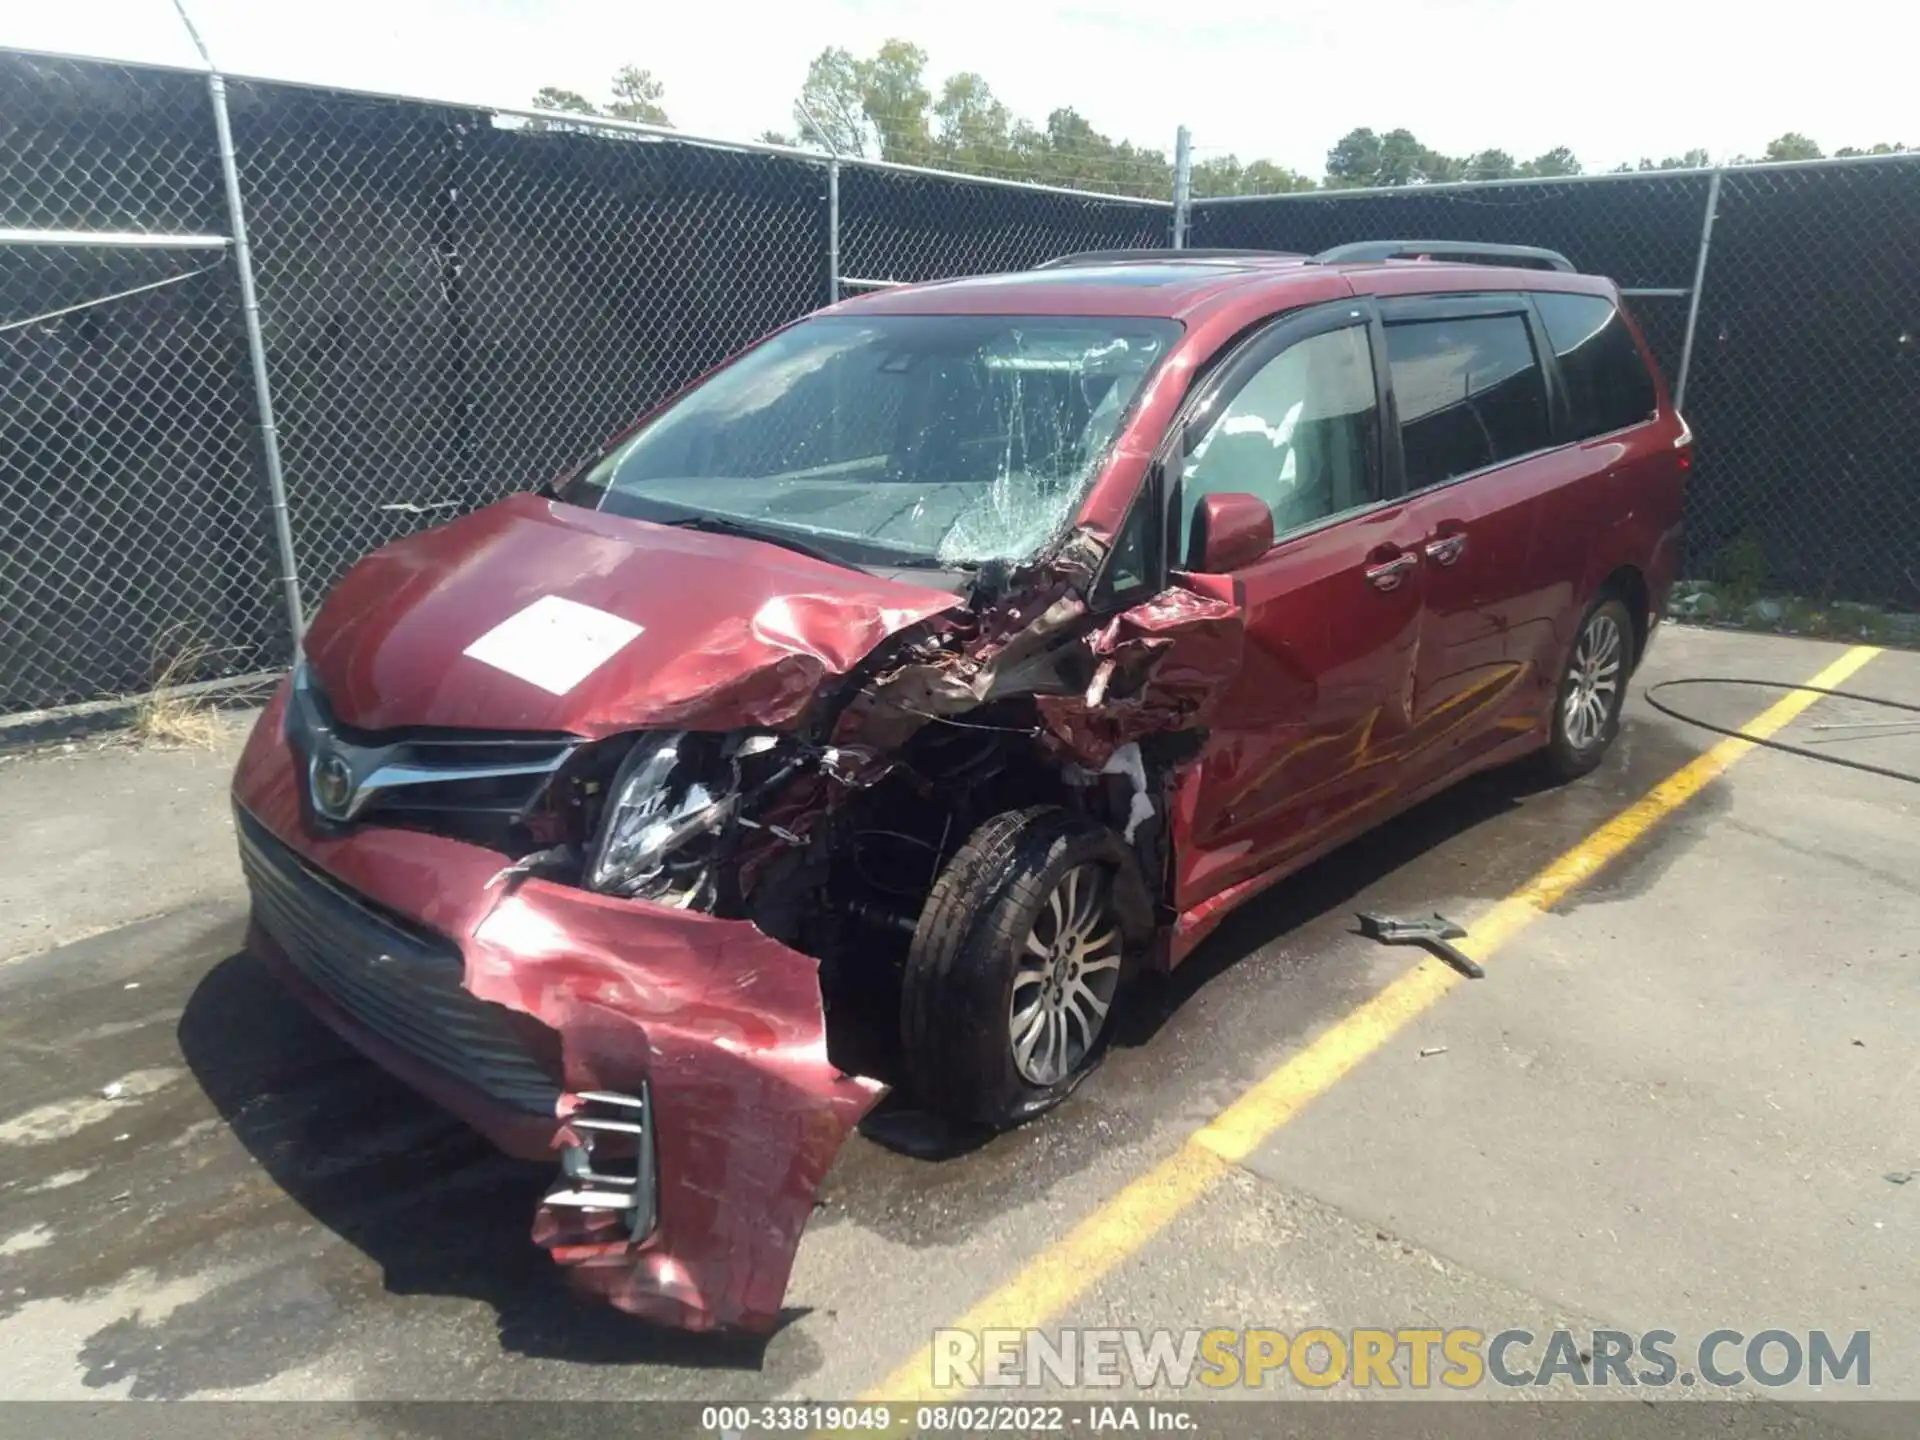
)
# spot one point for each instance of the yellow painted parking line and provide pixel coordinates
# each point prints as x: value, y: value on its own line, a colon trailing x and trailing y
x: 1145, y: 1206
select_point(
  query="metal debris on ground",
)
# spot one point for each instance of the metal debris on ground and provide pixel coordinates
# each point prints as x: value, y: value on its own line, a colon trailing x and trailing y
x: 1435, y: 933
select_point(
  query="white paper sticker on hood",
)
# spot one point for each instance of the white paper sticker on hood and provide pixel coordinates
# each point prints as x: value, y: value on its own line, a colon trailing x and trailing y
x: 554, y: 643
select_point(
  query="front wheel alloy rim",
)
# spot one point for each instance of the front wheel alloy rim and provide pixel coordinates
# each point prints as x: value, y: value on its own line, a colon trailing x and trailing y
x: 1069, y: 969
x: 1594, y: 681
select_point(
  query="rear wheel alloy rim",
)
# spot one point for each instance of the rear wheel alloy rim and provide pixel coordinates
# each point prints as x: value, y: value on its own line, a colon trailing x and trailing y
x: 1594, y: 681
x: 1069, y: 969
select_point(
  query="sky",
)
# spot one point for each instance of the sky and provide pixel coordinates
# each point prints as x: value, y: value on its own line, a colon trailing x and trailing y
x: 1613, y: 82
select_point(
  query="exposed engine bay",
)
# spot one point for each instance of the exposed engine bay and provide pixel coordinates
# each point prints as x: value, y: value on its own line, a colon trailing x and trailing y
x: 827, y: 834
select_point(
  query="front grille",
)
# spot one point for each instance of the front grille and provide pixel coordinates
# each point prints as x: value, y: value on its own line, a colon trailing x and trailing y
x: 400, y: 981
x: 479, y: 786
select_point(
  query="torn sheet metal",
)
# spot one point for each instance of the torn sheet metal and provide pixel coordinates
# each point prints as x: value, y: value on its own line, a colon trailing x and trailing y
x: 723, y: 1026
x: 736, y: 632
x: 1013, y: 650
x: 1159, y: 667
x: 726, y: 1028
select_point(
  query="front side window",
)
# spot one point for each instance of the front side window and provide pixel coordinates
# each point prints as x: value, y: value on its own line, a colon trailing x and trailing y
x: 947, y: 440
x: 1608, y: 387
x: 1471, y: 394
x: 1301, y: 434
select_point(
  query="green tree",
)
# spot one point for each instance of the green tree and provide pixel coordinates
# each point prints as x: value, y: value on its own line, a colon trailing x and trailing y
x: 830, y: 113
x: 1557, y: 161
x: 1695, y: 159
x: 1354, y: 160
x: 867, y: 109
x: 1224, y: 175
x: 1429, y: 166
x: 1852, y: 152
x: 552, y: 97
x: 972, y: 128
x: 1792, y: 146
x: 1073, y: 152
x: 1215, y: 176
x: 1263, y: 177
x: 1363, y: 158
x: 637, y: 95
x: 1490, y: 165
x: 894, y: 90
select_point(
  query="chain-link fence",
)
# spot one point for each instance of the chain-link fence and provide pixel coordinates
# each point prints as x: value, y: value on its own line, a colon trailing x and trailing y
x: 1641, y: 230
x: 1803, y: 384
x: 900, y: 226
x: 131, y: 544
x: 455, y: 302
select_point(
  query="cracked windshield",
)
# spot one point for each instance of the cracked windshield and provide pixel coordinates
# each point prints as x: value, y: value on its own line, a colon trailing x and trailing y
x: 917, y: 440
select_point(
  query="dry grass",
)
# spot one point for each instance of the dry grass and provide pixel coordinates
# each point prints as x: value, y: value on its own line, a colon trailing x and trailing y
x: 166, y: 715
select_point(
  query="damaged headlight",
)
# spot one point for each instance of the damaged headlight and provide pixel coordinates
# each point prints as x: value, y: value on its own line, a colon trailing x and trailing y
x: 662, y: 814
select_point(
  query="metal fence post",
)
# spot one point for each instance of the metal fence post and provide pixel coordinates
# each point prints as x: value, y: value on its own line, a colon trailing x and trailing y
x: 833, y: 232
x: 257, y: 354
x: 1699, y: 284
x: 1182, y: 184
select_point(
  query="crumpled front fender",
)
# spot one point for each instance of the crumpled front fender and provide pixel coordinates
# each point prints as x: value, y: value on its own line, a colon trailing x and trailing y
x: 722, y: 1025
x: 725, y: 1028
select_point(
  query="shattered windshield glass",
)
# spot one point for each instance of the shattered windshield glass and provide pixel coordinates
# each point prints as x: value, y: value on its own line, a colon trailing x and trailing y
x: 943, y: 440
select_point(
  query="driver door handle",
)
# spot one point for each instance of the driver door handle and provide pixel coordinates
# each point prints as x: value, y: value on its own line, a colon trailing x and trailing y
x: 1446, y: 549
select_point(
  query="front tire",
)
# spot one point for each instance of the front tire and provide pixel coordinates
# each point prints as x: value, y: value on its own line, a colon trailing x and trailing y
x: 1015, y: 967
x: 1592, y: 690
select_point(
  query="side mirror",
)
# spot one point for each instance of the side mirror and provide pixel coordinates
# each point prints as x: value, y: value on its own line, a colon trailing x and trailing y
x: 1231, y: 530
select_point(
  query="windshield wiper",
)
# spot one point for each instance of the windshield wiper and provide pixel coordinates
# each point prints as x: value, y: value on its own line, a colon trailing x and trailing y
x: 714, y: 525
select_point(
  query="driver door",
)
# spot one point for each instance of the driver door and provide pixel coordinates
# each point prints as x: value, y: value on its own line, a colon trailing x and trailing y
x: 1306, y: 741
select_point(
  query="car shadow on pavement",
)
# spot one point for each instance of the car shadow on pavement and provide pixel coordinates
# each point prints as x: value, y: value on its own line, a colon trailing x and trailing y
x: 433, y: 1204
x: 1331, y: 883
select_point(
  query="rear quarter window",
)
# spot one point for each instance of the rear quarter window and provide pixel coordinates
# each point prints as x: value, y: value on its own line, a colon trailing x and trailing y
x: 1470, y: 392
x: 1607, y: 382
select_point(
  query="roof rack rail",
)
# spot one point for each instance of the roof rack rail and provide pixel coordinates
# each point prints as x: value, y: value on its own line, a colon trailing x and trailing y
x: 1124, y: 257
x: 1468, y: 250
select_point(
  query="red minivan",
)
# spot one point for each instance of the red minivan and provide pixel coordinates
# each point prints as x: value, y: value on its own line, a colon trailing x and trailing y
x: 871, y: 711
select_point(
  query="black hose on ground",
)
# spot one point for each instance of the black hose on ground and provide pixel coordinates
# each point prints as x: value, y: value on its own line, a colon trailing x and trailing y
x: 1652, y: 692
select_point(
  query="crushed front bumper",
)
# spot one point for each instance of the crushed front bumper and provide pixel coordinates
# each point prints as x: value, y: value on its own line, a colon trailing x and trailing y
x: 670, y: 1061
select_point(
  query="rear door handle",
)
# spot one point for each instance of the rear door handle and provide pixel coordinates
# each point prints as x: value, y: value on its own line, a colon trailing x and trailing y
x: 1446, y: 549
x: 1389, y: 574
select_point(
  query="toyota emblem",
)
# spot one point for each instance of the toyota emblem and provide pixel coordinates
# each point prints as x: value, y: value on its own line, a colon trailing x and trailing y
x: 332, y: 782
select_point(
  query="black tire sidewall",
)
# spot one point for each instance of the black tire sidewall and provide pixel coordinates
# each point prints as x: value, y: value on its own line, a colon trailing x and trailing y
x: 1003, y: 939
x: 958, y: 990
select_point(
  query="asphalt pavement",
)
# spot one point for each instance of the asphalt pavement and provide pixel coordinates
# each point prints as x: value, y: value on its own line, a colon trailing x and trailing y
x: 1676, y: 1101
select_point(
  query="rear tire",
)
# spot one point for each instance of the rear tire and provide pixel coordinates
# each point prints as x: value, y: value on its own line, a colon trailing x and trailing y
x: 1015, y: 966
x: 1592, y: 689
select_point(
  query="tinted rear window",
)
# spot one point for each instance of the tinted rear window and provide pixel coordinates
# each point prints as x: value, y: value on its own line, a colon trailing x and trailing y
x: 1608, y: 387
x: 1470, y: 393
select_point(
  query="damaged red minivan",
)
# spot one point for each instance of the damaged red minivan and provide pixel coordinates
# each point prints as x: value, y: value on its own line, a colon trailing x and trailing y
x: 874, y: 709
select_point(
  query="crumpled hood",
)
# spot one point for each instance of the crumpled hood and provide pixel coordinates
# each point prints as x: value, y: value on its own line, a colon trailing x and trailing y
x: 590, y: 623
